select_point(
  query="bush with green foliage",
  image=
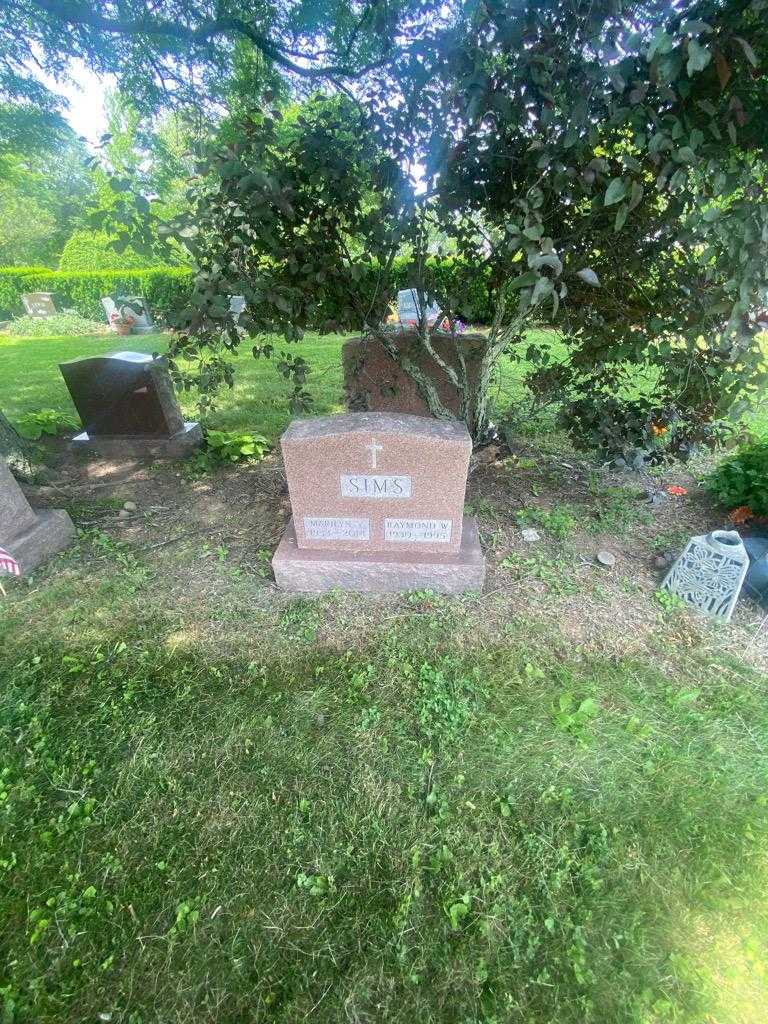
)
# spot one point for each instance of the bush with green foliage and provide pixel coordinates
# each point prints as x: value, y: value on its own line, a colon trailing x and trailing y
x: 165, y: 288
x: 69, y: 323
x: 93, y: 250
x: 602, y: 167
x: 48, y: 422
x: 742, y: 479
x: 235, y: 445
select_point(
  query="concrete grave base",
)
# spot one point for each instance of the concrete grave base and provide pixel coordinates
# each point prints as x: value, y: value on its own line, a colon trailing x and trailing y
x: 174, y: 446
x: 306, y: 571
x: 51, y: 532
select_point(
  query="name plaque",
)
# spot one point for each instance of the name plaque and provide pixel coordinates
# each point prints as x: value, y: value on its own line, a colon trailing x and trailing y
x: 360, y: 485
x: 425, y: 531
x: 336, y: 528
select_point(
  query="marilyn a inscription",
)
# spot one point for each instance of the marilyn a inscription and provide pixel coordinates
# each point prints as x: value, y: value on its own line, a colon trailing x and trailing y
x: 336, y: 528
x: 378, y: 504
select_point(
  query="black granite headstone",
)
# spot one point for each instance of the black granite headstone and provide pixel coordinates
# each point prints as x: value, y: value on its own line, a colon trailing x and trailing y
x: 127, y: 396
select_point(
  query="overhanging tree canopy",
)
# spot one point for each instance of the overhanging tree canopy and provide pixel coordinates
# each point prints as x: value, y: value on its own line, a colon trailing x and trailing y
x: 605, y: 163
x: 180, y: 50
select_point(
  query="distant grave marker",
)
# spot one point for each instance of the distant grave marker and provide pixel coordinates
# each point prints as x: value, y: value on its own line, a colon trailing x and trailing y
x: 39, y: 304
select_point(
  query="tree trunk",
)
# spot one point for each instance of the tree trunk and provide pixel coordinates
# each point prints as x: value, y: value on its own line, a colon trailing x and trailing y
x: 11, y: 443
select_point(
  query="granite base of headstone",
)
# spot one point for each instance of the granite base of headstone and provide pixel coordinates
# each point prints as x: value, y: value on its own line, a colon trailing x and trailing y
x: 29, y: 536
x: 377, y: 502
x: 374, y: 382
x: 127, y: 405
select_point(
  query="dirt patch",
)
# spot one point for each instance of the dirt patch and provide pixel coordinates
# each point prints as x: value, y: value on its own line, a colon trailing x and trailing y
x: 210, y: 536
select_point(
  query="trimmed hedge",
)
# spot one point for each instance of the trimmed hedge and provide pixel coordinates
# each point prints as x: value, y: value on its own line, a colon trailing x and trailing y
x: 168, y: 288
x: 85, y: 251
x: 164, y: 289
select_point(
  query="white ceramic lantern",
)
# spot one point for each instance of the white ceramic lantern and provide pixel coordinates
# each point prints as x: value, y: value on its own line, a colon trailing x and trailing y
x: 709, y: 573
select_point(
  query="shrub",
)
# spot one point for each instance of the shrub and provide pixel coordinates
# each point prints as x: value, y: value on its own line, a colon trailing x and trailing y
x: 742, y: 479
x: 164, y: 288
x: 236, y: 446
x: 168, y: 288
x: 10, y: 292
x: 32, y: 425
x: 91, y: 250
x: 68, y: 323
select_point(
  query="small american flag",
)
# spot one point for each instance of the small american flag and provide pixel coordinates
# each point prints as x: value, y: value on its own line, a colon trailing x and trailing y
x: 8, y: 563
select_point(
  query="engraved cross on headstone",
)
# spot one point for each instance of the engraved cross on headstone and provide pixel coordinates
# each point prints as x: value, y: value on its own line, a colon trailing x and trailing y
x: 374, y: 448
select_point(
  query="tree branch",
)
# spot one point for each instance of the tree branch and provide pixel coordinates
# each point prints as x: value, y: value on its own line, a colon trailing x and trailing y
x: 74, y: 13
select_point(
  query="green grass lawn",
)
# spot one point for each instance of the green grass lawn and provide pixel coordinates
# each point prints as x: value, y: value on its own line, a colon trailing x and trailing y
x: 30, y: 378
x: 286, y: 811
x: 546, y: 804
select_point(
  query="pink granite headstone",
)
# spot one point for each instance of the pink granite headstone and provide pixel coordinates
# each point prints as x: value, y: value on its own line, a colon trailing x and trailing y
x: 378, y: 503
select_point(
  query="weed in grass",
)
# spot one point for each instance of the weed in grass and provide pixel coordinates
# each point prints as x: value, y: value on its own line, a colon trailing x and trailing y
x: 301, y: 619
x: 618, y: 510
x: 672, y: 539
x: 559, y: 520
x: 48, y: 422
x: 263, y: 564
x: 220, y: 552
x: 555, y: 573
x: 482, y: 508
x: 669, y: 603
x: 85, y: 513
x: 573, y: 716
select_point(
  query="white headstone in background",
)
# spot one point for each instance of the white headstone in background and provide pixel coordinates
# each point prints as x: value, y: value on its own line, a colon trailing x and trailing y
x: 408, y: 307
x: 709, y: 574
x: 135, y: 306
x: 39, y: 304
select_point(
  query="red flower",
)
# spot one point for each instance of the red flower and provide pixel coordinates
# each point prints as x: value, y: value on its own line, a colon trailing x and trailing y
x: 740, y: 514
x: 677, y: 490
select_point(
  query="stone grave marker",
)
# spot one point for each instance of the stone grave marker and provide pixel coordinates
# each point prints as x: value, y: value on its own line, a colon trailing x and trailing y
x: 135, y: 306
x: 378, y: 506
x: 126, y: 400
x: 39, y: 304
x: 374, y: 382
x: 29, y: 536
x: 408, y: 307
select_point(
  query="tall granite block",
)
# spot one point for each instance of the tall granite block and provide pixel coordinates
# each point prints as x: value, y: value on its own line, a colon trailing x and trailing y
x: 373, y: 381
x: 29, y: 536
x: 377, y: 503
x: 126, y: 400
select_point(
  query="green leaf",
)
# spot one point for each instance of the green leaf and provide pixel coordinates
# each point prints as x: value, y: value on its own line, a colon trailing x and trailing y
x: 621, y: 217
x: 660, y: 44
x: 749, y: 53
x: 636, y: 194
x: 588, y: 276
x: 526, y: 280
x: 698, y: 57
x: 615, y: 192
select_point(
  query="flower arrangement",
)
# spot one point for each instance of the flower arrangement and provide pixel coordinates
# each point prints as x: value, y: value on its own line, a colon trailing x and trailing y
x: 121, y: 321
